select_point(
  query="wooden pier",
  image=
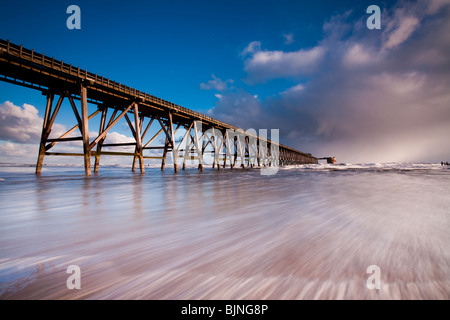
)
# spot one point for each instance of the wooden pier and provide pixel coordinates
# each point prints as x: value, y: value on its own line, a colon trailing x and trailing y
x: 330, y: 160
x: 200, y: 134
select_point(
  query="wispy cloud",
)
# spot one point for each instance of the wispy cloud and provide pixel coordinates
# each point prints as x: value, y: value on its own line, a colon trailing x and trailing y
x: 435, y: 5
x: 288, y: 38
x: 402, y: 32
x: 239, y: 108
x: 295, y: 89
x: 251, y: 48
x: 216, y: 84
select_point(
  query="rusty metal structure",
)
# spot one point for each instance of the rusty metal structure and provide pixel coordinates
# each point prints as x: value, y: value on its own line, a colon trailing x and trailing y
x: 58, y: 80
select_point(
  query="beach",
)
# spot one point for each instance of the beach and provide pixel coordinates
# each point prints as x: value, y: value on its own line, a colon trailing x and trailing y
x: 307, y: 232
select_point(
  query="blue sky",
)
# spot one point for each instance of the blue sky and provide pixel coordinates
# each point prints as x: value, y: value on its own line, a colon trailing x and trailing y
x: 309, y: 68
x: 168, y: 47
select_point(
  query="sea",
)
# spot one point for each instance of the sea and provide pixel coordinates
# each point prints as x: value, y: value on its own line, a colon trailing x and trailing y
x: 375, y: 231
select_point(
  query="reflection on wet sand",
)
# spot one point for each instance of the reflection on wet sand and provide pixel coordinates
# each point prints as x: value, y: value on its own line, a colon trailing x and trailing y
x: 224, y: 235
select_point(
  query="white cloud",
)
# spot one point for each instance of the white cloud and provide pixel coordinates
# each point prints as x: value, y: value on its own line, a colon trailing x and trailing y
x: 216, y: 84
x: 14, y: 149
x: 19, y: 124
x: 357, y: 55
x: 23, y: 124
x: 265, y: 64
x: 115, y: 137
x: 399, y: 84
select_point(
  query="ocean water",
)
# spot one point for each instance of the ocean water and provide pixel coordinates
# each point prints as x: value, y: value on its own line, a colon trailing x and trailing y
x: 307, y: 232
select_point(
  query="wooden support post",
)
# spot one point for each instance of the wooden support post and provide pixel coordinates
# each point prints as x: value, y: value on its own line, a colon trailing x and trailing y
x: 204, y: 143
x: 139, y: 150
x: 221, y: 146
x: 257, y: 152
x: 197, y: 146
x: 235, y: 149
x: 187, y: 151
x: 214, y: 145
x: 247, y: 150
x: 228, y: 150
x: 266, y: 154
x: 100, y: 143
x: 250, y: 152
x: 172, y: 142
x: 85, y: 130
x: 253, y: 159
x: 133, y: 165
x: 166, y: 144
x: 260, y: 158
x: 48, y: 110
x: 216, y: 149
x: 225, y: 145
x: 163, y: 161
x: 50, y: 119
x: 242, y: 150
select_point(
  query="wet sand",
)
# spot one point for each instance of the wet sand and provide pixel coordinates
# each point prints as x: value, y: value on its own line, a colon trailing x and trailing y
x: 301, y: 234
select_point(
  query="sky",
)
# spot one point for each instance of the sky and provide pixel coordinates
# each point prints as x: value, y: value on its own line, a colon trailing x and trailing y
x: 312, y: 69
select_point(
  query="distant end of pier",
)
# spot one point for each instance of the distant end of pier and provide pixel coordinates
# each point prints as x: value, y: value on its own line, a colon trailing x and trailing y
x: 330, y: 160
